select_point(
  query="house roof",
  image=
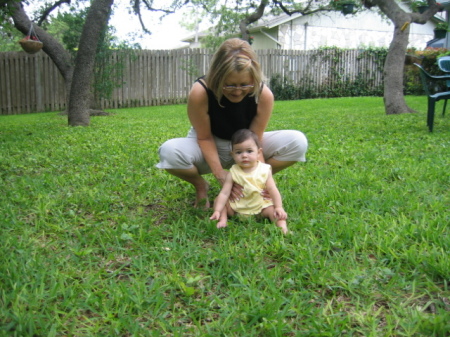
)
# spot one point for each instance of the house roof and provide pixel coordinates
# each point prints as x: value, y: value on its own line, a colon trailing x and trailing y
x: 272, y: 22
x: 264, y: 23
x: 191, y: 38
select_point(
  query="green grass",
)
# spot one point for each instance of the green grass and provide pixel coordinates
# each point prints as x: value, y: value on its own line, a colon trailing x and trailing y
x: 95, y: 241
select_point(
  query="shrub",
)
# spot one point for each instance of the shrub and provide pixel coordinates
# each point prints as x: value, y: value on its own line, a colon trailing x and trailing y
x: 339, y: 85
x: 428, y: 60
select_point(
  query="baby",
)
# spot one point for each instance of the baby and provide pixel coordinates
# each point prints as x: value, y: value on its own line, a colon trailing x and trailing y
x: 255, y: 177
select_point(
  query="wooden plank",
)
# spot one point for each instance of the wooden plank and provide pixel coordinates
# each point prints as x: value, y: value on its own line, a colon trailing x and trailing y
x: 3, y: 85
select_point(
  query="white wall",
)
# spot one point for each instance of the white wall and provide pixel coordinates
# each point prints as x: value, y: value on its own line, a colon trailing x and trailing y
x: 352, y: 31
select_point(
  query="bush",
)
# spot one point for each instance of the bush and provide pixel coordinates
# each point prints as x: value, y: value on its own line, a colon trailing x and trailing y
x: 343, y: 86
x: 337, y: 83
x: 428, y: 60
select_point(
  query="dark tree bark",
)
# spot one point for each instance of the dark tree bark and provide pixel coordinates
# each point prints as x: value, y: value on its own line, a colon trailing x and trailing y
x: 255, y: 16
x: 80, y: 93
x: 394, y: 99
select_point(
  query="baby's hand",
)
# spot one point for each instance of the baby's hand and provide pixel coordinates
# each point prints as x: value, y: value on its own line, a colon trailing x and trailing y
x: 215, y: 216
x: 280, y: 214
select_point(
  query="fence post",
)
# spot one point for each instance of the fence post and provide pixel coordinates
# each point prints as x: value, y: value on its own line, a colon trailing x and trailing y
x: 38, y: 82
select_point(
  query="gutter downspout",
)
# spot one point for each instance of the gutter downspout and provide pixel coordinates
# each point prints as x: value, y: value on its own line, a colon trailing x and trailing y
x: 291, y: 40
x: 305, y: 42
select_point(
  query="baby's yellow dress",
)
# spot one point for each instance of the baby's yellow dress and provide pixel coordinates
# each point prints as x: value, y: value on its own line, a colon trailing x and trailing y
x: 253, y: 184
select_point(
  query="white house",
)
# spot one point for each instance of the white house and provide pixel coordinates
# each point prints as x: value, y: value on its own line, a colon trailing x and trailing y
x: 365, y: 29
x: 331, y: 29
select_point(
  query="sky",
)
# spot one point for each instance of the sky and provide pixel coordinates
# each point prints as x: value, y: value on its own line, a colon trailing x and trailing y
x: 166, y: 34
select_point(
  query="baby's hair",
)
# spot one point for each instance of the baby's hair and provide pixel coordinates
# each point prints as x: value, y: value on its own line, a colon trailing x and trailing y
x: 242, y: 135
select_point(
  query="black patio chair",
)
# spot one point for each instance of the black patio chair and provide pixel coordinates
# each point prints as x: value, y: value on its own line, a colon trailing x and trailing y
x: 444, y: 65
x: 426, y: 78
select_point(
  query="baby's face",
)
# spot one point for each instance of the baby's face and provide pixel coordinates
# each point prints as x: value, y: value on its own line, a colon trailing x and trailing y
x: 245, y: 154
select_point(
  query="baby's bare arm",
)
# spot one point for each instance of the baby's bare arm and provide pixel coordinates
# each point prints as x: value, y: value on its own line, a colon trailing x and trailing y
x: 224, y: 194
x: 275, y: 195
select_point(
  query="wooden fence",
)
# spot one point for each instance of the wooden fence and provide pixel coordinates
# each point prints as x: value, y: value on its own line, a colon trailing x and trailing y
x: 32, y: 83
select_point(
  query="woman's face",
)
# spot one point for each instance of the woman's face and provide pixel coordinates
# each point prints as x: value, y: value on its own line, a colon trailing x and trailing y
x: 237, y: 85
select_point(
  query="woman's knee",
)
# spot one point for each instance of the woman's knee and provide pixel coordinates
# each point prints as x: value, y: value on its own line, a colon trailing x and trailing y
x: 176, y: 154
x: 286, y: 145
x: 299, y: 144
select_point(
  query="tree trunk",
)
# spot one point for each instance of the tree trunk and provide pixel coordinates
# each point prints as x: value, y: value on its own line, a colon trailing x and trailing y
x: 394, y: 99
x: 80, y: 93
x: 255, y: 16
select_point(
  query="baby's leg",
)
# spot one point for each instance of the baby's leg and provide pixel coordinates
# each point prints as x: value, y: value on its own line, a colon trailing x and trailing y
x: 268, y: 212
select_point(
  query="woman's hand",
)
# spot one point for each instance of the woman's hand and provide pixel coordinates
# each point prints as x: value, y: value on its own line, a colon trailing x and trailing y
x: 266, y: 195
x: 237, y: 192
x: 221, y: 176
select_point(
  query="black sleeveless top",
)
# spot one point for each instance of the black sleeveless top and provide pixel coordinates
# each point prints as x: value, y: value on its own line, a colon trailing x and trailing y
x: 230, y: 117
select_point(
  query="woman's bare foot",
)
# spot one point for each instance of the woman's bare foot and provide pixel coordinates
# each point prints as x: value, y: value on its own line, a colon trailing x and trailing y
x: 201, y: 186
x: 201, y: 196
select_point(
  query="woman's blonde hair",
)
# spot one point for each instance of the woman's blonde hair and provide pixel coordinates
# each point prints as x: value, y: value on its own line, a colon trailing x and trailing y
x: 234, y: 55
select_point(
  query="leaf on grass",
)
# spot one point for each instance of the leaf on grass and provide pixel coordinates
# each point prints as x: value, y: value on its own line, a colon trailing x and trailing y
x: 126, y: 236
x: 188, y: 291
x: 82, y: 252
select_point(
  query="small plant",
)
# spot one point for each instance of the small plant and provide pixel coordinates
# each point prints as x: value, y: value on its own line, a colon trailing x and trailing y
x: 441, y: 26
x: 416, y: 5
x: 339, y: 4
x: 420, y: 3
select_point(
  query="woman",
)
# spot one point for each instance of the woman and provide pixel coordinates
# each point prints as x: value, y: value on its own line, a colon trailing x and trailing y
x: 230, y: 97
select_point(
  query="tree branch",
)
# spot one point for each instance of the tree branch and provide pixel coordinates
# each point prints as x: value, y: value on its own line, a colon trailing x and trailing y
x: 150, y: 8
x: 304, y: 11
x: 50, y: 9
x: 137, y: 11
x: 283, y: 8
x: 255, y: 16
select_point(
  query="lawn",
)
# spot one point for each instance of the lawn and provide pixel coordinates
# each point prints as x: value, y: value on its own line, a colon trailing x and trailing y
x: 95, y: 241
